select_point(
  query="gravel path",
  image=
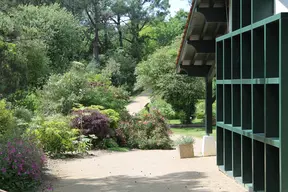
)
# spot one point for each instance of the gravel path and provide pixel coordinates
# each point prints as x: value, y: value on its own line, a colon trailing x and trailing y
x: 140, y: 171
x: 138, y: 103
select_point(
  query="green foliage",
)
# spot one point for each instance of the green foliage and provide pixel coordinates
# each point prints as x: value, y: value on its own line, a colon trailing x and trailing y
x: 44, y: 39
x: 108, y: 97
x: 108, y: 143
x: 119, y: 149
x: 158, y: 64
x: 164, y: 32
x: 182, y: 116
x: 200, y: 110
x: 21, y: 163
x: 120, y: 68
x: 62, y: 91
x: 57, y: 137
x: 164, y: 107
x: 114, y: 117
x: 182, y: 93
x: 7, y: 121
x: 23, y: 114
x: 158, y: 73
x: 185, y: 140
x: 149, y: 131
x: 24, y: 99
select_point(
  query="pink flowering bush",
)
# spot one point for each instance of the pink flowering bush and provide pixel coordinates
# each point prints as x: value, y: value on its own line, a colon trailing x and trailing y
x: 21, y: 164
x: 147, y: 131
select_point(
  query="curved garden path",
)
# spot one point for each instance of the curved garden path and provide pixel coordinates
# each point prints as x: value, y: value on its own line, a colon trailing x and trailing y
x: 138, y: 103
x: 140, y: 171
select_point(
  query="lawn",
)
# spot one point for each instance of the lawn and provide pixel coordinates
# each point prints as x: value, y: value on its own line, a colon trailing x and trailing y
x: 194, y: 132
x: 177, y: 121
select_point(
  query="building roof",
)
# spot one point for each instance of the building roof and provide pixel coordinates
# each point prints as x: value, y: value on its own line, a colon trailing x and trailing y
x: 207, y: 20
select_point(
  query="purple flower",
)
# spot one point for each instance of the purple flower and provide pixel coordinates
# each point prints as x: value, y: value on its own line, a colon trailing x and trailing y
x: 3, y: 170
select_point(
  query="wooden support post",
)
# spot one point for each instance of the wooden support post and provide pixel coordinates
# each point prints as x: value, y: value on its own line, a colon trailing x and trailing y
x: 208, y: 99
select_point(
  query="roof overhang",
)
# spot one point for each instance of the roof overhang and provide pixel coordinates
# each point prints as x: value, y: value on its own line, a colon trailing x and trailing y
x: 206, y: 21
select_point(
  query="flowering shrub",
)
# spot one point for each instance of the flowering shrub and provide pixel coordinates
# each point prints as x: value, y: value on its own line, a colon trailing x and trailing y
x: 21, y: 164
x: 149, y: 131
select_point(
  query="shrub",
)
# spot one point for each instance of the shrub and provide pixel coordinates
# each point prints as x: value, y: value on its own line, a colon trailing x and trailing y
x: 61, y: 92
x: 57, y: 137
x: 23, y: 114
x: 7, y: 122
x: 91, y: 122
x: 21, y: 163
x: 108, y: 97
x: 200, y: 110
x: 108, y: 143
x: 114, y: 117
x: 150, y: 131
x: 164, y: 107
x: 24, y: 99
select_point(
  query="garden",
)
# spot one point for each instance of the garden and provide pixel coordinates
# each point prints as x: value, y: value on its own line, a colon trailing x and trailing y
x: 67, y: 73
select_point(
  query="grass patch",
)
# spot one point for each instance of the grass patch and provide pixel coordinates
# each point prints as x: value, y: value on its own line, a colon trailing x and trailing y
x: 194, y: 132
x: 119, y: 149
x: 174, y: 121
x: 177, y: 121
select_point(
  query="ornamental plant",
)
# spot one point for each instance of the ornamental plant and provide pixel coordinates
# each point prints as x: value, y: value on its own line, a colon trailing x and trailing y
x: 92, y: 122
x: 184, y: 140
x: 21, y: 163
x: 57, y: 137
x: 148, y: 131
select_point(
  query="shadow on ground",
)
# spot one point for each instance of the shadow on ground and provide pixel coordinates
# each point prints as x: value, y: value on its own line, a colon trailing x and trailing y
x: 176, y: 182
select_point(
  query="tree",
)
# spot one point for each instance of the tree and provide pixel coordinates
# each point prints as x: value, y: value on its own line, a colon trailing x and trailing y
x: 158, y: 73
x: 141, y: 13
x: 163, y: 33
x: 36, y: 41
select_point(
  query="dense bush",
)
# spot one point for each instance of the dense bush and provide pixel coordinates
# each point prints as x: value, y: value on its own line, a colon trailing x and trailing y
x: 23, y: 114
x: 164, y: 107
x: 113, y: 116
x: 108, y: 97
x: 149, y: 131
x: 91, y: 122
x: 57, y: 137
x: 63, y: 92
x: 21, y: 163
x: 7, y: 121
x: 200, y: 110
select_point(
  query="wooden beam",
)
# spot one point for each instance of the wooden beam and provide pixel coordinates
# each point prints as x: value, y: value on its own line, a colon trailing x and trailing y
x: 195, y: 70
x: 203, y: 46
x: 213, y: 14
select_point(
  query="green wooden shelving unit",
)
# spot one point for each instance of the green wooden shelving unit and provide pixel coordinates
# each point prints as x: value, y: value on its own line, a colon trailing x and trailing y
x: 252, y: 97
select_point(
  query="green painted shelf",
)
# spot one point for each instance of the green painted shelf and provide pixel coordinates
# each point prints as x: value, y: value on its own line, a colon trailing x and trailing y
x: 252, y: 92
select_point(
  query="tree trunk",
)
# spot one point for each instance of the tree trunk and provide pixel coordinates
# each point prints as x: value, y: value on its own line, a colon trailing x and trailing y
x: 119, y: 31
x: 96, y: 46
x: 106, y: 42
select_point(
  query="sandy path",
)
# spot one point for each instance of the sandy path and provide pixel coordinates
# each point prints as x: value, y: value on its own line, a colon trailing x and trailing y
x: 138, y: 103
x: 141, y: 171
